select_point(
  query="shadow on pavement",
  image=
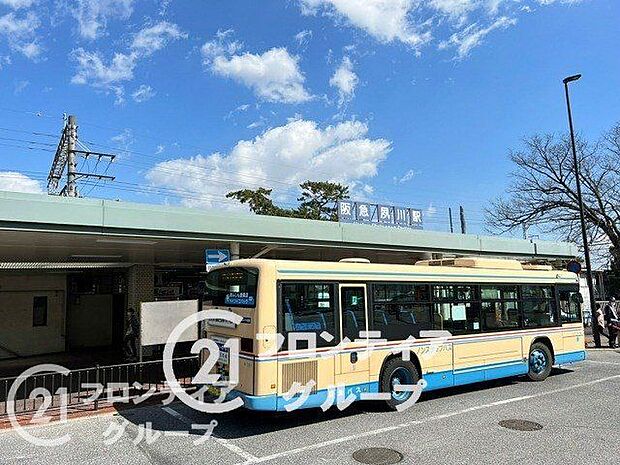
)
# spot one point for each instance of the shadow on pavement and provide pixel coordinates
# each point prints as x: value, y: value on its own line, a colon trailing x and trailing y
x: 242, y: 423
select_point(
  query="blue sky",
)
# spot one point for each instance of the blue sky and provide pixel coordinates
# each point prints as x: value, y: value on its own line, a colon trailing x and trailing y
x: 413, y: 103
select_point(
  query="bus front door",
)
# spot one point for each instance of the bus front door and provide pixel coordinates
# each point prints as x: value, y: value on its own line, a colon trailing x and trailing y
x: 353, y: 361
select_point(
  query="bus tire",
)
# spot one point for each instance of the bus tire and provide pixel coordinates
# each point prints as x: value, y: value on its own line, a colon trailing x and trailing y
x: 540, y: 362
x: 398, y: 371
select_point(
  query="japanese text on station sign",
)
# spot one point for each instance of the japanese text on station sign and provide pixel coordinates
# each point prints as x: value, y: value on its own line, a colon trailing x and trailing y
x: 350, y: 211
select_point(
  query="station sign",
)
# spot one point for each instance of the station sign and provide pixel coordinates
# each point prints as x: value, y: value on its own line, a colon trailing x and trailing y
x: 350, y: 211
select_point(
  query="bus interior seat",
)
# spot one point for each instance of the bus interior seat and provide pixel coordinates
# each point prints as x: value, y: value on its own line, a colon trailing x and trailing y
x: 381, y: 318
x: 351, y: 320
x: 407, y: 316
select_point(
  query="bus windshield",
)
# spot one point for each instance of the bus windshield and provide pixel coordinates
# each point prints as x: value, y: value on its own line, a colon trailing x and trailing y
x: 232, y: 287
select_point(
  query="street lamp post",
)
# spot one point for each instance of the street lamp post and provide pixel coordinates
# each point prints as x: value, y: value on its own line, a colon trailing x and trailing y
x: 586, y: 248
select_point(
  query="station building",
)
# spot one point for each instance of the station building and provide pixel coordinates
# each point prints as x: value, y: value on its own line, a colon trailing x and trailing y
x: 71, y: 267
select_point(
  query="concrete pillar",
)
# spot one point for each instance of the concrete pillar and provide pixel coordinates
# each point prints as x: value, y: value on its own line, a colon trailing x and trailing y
x: 234, y: 251
x: 140, y: 288
x: 140, y: 285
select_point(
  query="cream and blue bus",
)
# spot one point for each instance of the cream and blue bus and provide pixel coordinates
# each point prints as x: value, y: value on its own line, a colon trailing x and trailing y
x: 502, y: 319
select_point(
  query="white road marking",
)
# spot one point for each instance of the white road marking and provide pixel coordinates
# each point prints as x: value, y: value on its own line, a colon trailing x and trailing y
x: 602, y: 362
x: 231, y: 447
x: 387, y: 429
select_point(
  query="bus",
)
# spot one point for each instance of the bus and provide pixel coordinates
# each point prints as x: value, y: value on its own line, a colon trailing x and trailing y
x: 365, y: 328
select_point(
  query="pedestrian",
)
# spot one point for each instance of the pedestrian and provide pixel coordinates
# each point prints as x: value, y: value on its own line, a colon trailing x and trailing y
x: 613, y: 322
x: 599, y: 321
x: 132, y: 333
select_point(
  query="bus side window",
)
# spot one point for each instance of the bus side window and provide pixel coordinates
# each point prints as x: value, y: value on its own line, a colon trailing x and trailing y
x: 456, y: 308
x: 308, y: 308
x: 400, y: 310
x: 538, y: 304
x: 353, y: 311
x: 570, y: 306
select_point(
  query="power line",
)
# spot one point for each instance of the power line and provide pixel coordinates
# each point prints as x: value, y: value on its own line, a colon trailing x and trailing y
x: 44, y: 134
x: 398, y: 193
x: 12, y: 139
x: 65, y: 157
x: 280, y: 162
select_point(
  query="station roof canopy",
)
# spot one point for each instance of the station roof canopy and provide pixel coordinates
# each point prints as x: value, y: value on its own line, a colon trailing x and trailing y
x: 41, y: 228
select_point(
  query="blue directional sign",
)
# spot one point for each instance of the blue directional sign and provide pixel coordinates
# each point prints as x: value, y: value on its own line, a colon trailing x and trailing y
x: 574, y: 266
x: 217, y: 256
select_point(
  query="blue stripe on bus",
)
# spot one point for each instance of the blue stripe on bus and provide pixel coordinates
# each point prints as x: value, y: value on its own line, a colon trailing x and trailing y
x: 437, y: 380
x: 274, y: 402
x: 570, y: 357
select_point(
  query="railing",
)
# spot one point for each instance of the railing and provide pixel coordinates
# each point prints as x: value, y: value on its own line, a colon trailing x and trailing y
x: 82, y: 388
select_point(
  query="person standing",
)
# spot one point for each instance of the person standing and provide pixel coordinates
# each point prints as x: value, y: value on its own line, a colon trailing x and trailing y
x: 599, y: 321
x: 131, y: 335
x: 613, y: 322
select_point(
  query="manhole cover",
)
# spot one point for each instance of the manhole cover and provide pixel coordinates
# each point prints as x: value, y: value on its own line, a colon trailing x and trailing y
x: 521, y: 425
x: 378, y: 456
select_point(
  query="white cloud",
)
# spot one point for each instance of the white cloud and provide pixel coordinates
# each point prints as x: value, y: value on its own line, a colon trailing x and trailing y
x: 93, y: 15
x: 456, y: 9
x: 163, y: 7
x: 93, y: 70
x: 125, y: 139
x: 18, y: 182
x: 303, y: 37
x: 156, y: 37
x: 458, y: 24
x: 385, y: 20
x: 345, y: 80
x: 21, y: 33
x: 408, y: 176
x: 220, y: 46
x: 280, y: 158
x: 273, y: 76
x: 143, y: 93
x: 256, y: 124
x: 473, y: 35
x: 568, y: 2
x: 17, y: 4
x: 20, y: 86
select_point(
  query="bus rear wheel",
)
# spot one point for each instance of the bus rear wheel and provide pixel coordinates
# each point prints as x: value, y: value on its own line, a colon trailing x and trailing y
x: 398, y: 372
x: 540, y: 362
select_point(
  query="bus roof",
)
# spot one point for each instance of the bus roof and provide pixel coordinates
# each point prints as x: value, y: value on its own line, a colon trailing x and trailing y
x: 454, y: 269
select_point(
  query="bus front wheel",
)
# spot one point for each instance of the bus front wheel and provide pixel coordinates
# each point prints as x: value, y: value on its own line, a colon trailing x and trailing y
x: 398, y: 372
x: 540, y: 362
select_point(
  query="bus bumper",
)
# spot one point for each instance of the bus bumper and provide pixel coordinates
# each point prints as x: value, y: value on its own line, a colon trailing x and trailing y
x: 265, y: 403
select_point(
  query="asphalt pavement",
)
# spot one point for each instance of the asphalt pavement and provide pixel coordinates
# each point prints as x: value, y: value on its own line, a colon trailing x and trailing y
x: 577, y: 408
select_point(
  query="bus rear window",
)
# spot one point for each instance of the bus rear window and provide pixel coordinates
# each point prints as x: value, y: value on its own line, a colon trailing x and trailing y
x: 232, y: 287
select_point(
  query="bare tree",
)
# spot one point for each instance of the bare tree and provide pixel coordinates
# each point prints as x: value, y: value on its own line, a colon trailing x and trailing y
x: 542, y: 193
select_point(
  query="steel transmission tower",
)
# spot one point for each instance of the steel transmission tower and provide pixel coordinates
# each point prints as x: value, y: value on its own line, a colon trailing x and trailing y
x: 66, y: 157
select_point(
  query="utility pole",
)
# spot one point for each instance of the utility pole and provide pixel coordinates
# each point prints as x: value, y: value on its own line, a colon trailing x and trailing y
x: 463, y: 224
x: 71, y: 164
x: 451, y: 224
x: 524, y: 226
x: 584, y: 232
x: 66, y: 157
